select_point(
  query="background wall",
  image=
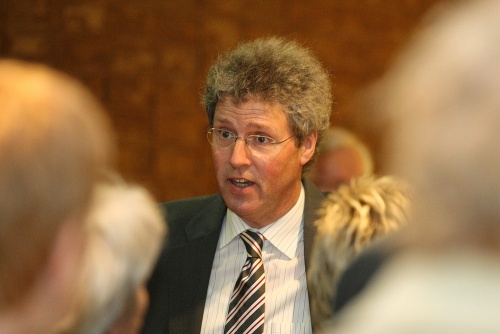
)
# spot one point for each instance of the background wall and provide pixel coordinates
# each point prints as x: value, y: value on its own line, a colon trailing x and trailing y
x: 147, y: 59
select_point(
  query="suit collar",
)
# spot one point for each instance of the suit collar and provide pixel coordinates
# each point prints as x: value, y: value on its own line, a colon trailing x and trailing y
x: 210, y: 217
x: 284, y: 233
x: 314, y: 199
x: 208, y: 220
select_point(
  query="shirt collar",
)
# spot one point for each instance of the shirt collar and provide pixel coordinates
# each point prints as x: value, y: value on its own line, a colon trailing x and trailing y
x: 285, y: 233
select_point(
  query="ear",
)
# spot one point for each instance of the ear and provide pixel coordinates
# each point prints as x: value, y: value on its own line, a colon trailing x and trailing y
x: 308, y: 147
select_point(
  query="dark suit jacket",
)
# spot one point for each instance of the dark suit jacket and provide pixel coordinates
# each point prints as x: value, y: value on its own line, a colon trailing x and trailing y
x: 359, y: 274
x: 179, y: 283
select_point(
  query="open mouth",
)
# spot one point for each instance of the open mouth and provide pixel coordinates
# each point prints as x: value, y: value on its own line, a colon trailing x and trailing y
x: 241, y: 183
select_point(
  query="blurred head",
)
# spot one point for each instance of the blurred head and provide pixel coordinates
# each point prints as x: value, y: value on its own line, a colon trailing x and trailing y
x: 272, y: 98
x: 54, y: 145
x: 443, y: 96
x: 342, y: 157
x: 351, y: 218
x: 125, y: 231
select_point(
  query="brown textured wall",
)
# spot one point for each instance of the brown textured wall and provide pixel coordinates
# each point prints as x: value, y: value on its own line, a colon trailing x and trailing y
x: 146, y: 60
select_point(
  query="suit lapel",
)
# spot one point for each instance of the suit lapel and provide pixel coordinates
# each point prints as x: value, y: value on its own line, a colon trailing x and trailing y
x: 190, y: 267
x: 314, y: 199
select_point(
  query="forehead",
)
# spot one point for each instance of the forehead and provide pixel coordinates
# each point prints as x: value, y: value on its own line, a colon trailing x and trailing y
x: 250, y: 112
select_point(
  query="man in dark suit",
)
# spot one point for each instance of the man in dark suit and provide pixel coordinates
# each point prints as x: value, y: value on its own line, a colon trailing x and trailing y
x: 268, y: 104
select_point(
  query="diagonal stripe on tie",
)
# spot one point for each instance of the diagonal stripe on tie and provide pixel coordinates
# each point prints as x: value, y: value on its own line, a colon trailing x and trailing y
x: 247, y: 306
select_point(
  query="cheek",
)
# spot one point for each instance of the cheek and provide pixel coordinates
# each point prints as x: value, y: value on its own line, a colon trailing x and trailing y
x: 286, y: 163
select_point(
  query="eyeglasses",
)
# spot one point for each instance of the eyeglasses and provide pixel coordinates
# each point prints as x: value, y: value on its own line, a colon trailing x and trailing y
x: 224, y: 139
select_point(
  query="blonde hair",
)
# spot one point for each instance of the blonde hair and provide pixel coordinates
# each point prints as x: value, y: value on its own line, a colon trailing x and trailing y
x: 55, y: 142
x: 350, y: 219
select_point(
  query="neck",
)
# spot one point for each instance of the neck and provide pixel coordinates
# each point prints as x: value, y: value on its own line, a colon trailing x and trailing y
x: 259, y: 221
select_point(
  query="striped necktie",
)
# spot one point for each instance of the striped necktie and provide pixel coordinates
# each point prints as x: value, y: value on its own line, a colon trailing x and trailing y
x: 246, y: 308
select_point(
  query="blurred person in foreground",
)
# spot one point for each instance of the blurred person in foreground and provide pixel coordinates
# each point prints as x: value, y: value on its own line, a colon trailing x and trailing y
x: 125, y: 231
x: 268, y: 103
x: 442, y: 274
x: 342, y: 157
x: 55, y: 144
x: 352, y: 218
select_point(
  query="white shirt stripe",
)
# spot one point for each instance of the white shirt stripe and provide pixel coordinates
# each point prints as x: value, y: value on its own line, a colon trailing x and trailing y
x: 287, y: 304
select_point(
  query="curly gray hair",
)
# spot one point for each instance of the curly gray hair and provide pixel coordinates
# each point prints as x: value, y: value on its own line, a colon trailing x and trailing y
x: 279, y: 71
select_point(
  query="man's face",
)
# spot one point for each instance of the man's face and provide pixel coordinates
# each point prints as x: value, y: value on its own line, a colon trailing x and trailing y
x: 259, y: 187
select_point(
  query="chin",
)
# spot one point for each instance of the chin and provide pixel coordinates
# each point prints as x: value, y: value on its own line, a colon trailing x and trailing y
x: 240, y: 207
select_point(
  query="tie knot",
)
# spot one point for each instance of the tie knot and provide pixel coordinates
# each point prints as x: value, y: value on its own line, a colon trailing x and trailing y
x: 253, y: 243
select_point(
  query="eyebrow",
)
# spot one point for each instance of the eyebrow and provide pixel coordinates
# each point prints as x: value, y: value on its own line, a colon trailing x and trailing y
x: 253, y: 125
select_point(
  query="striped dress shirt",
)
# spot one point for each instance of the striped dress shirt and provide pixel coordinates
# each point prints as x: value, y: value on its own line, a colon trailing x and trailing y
x: 287, y: 304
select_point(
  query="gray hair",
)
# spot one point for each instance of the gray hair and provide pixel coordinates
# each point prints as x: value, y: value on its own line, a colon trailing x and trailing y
x: 279, y: 71
x: 125, y: 230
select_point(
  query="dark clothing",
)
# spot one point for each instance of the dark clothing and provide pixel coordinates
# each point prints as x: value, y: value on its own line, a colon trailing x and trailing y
x: 360, y: 272
x: 179, y: 283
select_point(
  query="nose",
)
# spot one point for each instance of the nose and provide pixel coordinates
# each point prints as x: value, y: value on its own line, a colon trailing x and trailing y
x: 240, y: 154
